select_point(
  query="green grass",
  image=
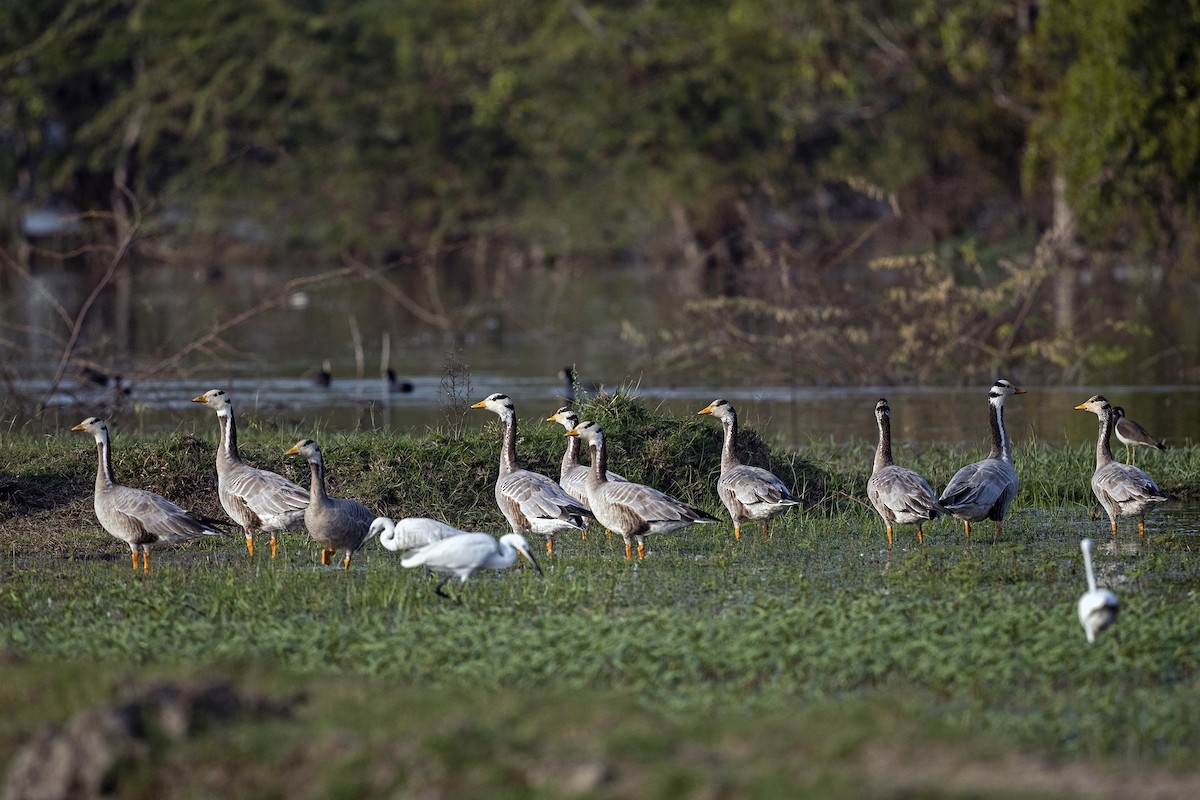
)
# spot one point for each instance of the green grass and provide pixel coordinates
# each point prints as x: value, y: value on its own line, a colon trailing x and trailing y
x: 793, y: 666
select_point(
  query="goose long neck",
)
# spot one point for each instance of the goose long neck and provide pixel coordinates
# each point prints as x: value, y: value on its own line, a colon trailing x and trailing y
x: 883, y: 453
x: 229, y: 441
x: 317, y: 481
x: 571, y: 457
x: 1001, y: 446
x: 1104, y: 455
x: 508, y: 452
x: 104, y: 471
x: 729, y: 458
x: 599, y: 461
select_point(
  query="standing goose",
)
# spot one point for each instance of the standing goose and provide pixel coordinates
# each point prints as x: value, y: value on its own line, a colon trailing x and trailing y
x: 137, y: 517
x: 529, y: 501
x: 900, y: 495
x: 331, y: 522
x: 1133, y: 435
x: 573, y: 475
x: 256, y: 499
x: 985, y: 489
x: 1122, y: 490
x: 1098, y: 608
x: 631, y: 509
x: 747, y: 492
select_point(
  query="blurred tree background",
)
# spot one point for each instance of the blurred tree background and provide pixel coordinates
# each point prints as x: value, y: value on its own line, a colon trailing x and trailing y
x: 963, y: 186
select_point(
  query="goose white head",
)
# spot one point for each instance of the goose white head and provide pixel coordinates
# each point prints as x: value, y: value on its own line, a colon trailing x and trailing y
x: 589, y: 432
x: 498, y: 403
x: 1098, y: 608
x: 1096, y: 404
x: 217, y: 400
x: 95, y: 426
x: 721, y: 409
x: 1002, y: 390
x: 566, y: 417
x: 306, y: 449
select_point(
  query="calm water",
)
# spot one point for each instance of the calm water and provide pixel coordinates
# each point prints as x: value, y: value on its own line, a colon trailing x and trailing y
x: 513, y: 335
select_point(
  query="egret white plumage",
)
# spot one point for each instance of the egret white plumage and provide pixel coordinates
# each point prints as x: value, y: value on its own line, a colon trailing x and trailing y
x: 530, y: 502
x: 900, y: 495
x: 405, y: 534
x: 985, y: 489
x: 747, y: 492
x: 1098, y: 608
x: 631, y: 509
x: 1122, y: 489
x: 137, y: 517
x: 463, y: 555
x: 257, y: 499
x: 332, y: 522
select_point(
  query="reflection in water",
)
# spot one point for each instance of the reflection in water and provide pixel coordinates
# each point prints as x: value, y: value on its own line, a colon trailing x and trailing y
x: 521, y: 329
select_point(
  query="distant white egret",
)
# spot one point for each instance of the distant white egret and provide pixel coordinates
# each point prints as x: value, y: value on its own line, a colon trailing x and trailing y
x: 463, y: 555
x: 1098, y: 608
x: 411, y: 532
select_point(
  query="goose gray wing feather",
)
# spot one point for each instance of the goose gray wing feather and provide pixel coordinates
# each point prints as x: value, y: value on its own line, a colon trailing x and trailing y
x: 539, y: 497
x: 1126, y: 484
x: 143, y: 517
x: 978, y: 489
x: 752, y: 486
x: 902, y: 495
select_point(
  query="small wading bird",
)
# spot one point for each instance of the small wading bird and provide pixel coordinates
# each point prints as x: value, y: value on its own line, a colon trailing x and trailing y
x: 256, y: 499
x: 1098, y: 608
x: 137, y: 517
x: 405, y: 534
x: 463, y: 555
x: 985, y: 489
x: 529, y: 501
x: 1133, y: 436
x: 747, y: 492
x: 1123, y: 490
x: 332, y: 522
x: 573, y: 476
x: 900, y: 495
x: 631, y: 509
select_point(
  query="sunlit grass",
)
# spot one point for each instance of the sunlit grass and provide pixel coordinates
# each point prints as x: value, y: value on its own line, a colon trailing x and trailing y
x: 817, y: 621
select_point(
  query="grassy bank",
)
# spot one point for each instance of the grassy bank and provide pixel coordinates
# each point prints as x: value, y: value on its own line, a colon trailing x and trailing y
x: 813, y: 659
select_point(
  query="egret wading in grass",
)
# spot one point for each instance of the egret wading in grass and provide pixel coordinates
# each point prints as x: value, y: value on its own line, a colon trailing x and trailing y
x: 405, y: 534
x: 529, y: 501
x: 463, y: 555
x: 1098, y: 608
x: 631, y: 509
x: 747, y: 492
x: 572, y: 475
x: 332, y: 522
x: 985, y: 489
x: 1123, y: 490
x: 1133, y: 436
x: 137, y: 517
x: 257, y: 499
x: 900, y: 495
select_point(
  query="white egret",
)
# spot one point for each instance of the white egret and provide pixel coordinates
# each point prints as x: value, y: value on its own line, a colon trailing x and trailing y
x: 405, y: 534
x: 1098, y: 608
x: 463, y: 555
